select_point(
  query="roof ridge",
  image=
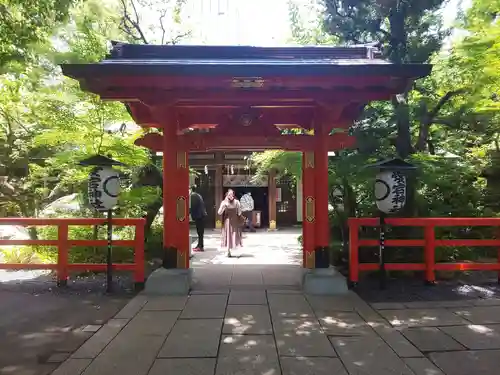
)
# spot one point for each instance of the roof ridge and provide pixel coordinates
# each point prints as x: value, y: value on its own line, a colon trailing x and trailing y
x: 193, y: 52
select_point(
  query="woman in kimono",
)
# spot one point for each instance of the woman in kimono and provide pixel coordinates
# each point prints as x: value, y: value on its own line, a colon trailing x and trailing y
x: 232, y: 220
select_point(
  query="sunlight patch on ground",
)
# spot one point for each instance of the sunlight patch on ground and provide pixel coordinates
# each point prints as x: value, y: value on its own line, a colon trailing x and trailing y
x: 7, y: 276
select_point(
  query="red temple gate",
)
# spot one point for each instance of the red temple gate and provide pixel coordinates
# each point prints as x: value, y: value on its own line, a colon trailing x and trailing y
x: 201, y: 98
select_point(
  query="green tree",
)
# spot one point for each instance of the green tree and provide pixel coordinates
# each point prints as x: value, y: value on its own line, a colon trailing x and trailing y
x: 26, y: 23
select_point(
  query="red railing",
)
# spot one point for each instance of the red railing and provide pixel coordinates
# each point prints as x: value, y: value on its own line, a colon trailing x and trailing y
x: 428, y: 243
x: 64, y: 244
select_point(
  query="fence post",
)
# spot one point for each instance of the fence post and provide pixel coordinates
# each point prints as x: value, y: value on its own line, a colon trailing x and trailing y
x: 62, y: 254
x: 430, y: 256
x: 353, y: 252
x: 139, y: 255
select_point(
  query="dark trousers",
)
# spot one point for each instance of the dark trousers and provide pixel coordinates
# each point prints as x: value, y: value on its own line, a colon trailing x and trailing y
x: 200, y: 229
x: 248, y: 215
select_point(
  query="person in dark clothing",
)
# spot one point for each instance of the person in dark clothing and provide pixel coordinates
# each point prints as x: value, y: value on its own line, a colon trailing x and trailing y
x: 198, y: 213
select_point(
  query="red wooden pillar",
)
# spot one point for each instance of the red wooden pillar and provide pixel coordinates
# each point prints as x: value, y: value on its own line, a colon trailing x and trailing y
x: 322, y: 237
x: 170, y: 190
x: 308, y: 210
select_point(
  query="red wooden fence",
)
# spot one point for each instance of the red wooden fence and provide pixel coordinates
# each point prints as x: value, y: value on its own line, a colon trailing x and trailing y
x: 428, y: 243
x: 64, y: 244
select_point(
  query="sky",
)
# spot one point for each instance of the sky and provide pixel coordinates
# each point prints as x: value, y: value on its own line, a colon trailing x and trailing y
x: 256, y: 22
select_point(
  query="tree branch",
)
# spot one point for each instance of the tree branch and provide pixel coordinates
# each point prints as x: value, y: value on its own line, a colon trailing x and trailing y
x: 132, y: 27
x: 428, y: 120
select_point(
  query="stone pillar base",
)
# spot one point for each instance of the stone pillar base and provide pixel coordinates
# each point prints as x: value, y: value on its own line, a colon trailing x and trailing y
x: 169, y: 282
x: 324, y: 281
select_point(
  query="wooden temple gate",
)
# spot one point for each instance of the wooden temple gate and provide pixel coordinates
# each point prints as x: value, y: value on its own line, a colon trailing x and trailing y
x: 208, y: 98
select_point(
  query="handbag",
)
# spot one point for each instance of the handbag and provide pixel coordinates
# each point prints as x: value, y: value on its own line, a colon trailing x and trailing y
x: 241, y: 220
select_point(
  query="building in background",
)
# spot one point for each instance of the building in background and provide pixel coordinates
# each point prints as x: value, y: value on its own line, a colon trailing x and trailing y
x: 275, y: 198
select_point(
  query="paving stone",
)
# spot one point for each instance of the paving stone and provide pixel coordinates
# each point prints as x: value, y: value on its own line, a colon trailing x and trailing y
x: 370, y: 315
x: 157, y: 323
x: 331, y: 303
x: 58, y: 357
x: 248, y: 355
x: 92, y: 328
x: 95, y: 344
x: 483, y: 362
x: 247, y: 278
x: 183, y: 366
x: 72, y: 367
x: 397, y: 341
x: 476, y: 336
x: 251, y: 297
x: 289, y: 305
x: 312, y: 366
x: 368, y: 355
x: 247, y: 319
x: 126, y: 355
x: 422, y: 366
x: 431, y: 339
x: 287, y: 277
x: 283, y: 291
x: 343, y: 324
x: 423, y: 318
x: 247, y: 346
x: 166, y: 303
x: 481, y: 315
x: 296, y: 325
x: 388, y: 305
x: 133, y: 307
x: 304, y: 344
x: 205, y: 306
x: 438, y: 304
x: 210, y: 291
x: 254, y: 365
x: 193, y: 338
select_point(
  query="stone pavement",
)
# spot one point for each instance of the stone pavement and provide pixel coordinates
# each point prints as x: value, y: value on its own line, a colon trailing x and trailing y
x: 252, y: 319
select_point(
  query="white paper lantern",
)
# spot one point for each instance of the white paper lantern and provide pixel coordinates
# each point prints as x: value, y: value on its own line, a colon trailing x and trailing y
x: 104, y: 187
x: 390, y: 191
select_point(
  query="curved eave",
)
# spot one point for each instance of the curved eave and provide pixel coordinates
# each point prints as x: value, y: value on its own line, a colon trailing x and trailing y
x: 132, y: 68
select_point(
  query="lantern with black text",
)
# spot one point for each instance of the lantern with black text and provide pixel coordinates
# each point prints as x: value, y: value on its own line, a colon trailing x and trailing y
x: 390, y: 191
x: 390, y: 197
x: 103, y: 188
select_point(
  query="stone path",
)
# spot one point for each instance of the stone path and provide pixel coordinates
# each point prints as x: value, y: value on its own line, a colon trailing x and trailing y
x: 279, y: 331
x: 247, y: 316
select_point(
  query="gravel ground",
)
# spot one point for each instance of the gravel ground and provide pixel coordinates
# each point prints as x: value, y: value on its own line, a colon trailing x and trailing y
x: 40, y: 282
x: 472, y: 285
x: 41, y: 324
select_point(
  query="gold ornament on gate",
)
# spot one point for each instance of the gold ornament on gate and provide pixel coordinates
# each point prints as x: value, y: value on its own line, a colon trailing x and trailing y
x: 310, y: 211
x: 181, y: 212
x: 310, y: 259
x: 309, y: 156
x: 181, y: 159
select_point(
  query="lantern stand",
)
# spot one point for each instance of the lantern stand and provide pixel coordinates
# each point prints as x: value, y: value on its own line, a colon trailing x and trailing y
x: 390, y: 196
x: 104, y: 187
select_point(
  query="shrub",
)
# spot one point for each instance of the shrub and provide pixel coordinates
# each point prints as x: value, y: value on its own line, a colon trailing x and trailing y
x: 19, y: 254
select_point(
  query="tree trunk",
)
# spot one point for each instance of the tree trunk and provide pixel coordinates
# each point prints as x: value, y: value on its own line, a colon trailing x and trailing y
x: 151, y: 213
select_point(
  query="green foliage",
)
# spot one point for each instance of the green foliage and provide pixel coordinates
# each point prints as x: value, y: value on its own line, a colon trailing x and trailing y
x: 19, y: 254
x: 26, y: 23
x: 450, y: 130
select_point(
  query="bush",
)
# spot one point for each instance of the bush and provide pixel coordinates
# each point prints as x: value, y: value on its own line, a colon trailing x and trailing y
x: 19, y: 254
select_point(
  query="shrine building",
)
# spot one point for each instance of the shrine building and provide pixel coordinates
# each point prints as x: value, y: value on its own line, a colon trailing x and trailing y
x: 202, y: 103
